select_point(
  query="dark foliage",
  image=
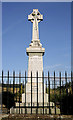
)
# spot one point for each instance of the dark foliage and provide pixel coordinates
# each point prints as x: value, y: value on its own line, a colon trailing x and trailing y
x: 8, y: 99
x: 67, y: 104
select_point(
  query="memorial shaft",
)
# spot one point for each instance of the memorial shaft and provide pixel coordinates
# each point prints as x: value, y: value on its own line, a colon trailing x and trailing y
x: 35, y: 54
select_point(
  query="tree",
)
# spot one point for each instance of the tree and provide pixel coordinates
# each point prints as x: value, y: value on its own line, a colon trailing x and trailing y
x: 67, y: 104
x: 8, y: 99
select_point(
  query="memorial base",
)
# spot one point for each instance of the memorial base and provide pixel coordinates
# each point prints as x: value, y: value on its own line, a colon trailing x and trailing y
x: 34, y: 109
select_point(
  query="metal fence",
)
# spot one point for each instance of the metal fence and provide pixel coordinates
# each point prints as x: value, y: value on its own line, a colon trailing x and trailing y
x: 58, y: 88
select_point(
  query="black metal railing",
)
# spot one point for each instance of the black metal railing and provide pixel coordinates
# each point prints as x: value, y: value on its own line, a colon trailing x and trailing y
x: 59, y: 90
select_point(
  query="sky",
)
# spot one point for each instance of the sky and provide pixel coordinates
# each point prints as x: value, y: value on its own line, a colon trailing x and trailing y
x: 54, y: 33
x: 72, y: 36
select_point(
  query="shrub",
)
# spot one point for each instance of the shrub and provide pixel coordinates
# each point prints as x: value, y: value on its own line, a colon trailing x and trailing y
x: 67, y: 104
x: 8, y: 99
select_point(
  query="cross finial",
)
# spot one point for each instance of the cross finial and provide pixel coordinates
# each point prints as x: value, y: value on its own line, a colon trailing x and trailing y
x: 35, y: 17
x: 34, y: 14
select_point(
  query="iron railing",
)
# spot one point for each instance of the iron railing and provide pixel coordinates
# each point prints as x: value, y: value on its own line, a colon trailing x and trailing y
x: 57, y: 88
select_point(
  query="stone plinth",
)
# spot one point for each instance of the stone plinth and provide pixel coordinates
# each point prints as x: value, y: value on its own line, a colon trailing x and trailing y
x: 35, y: 63
x: 34, y: 110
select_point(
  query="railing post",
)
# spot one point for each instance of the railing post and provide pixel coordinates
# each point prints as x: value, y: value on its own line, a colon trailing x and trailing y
x: 8, y: 92
x: 60, y: 91
x: 2, y: 81
x: 37, y: 92
x: 66, y: 90
x: 66, y: 82
x: 43, y: 90
x: 46, y: 86
x: 2, y: 88
x: 49, y: 92
x: 31, y: 92
x: 19, y: 90
x: 10, y: 85
x: 13, y: 83
x: 54, y: 93
x: 25, y: 92
x: 62, y: 88
x: 72, y: 81
x: 23, y: 87
x: 16, y: 91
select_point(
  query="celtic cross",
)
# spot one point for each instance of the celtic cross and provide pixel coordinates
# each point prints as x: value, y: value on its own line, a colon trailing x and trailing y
x: 35, y: 17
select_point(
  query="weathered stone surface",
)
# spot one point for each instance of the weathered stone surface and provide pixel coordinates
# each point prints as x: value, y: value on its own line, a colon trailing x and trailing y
x: 34, y: 110
x: 35, y: 63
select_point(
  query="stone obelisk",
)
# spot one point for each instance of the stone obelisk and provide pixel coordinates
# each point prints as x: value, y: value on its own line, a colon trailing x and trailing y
x: 35, y: 62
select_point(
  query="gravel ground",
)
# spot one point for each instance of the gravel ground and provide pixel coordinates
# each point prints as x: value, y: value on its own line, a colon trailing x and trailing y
x: 4, y: 116
x: 38, y: 117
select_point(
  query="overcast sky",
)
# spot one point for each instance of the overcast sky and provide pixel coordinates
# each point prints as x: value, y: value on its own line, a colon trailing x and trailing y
x: 54, y: 30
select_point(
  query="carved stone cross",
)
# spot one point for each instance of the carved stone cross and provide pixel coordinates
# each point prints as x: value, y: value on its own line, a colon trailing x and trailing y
x: 35, y: 17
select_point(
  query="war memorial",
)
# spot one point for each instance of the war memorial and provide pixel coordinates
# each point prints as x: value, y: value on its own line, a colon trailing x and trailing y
x: 35, y: 53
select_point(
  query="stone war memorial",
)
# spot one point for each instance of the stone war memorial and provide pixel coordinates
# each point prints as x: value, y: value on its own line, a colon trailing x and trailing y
x: 35, y: 53
x: 35, y: 62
